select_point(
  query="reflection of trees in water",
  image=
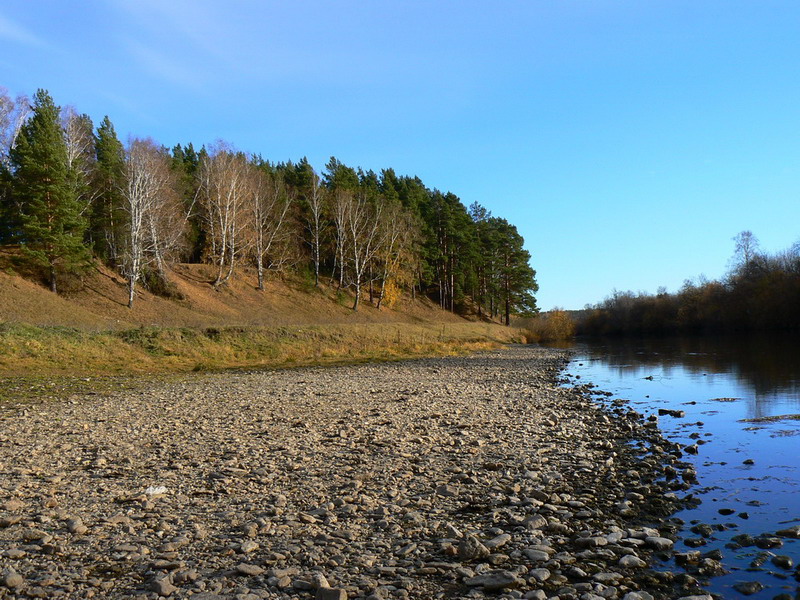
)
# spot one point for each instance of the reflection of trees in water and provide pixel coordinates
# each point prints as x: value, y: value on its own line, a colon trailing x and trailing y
x: 768, y: 365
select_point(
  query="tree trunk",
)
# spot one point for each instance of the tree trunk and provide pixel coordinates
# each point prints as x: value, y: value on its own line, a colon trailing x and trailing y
x: 131, y: 289
x: 53, y: 285
x: 316, y: 266
x: 508, y: 302
x: 358, y: 293
x: 382, y: 292
x: 371, y: 289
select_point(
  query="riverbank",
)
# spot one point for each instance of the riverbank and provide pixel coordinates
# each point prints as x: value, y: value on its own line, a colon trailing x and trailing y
x: 434, y: 478
x: 57, y: 351
x: 731, y: 403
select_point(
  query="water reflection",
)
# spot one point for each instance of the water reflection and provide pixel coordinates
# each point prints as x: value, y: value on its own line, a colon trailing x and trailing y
x: 765, y: 368
x: 750, y: 468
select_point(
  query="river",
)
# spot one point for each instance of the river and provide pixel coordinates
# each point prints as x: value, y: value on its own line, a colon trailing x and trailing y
x: 741, y: 399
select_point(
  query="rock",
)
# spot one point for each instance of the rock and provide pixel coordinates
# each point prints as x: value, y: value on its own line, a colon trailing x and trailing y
x: 767, y: 543
x: 637, y: 596
x: 536, y: 555
x: 326, y: 593
x: 248, y: 570
x: 12, y: 579
x: 302, y: 584
x: 631, y: 562
x: 447, y: 490
x: 540, y: 575
x: 248, y: 546
x: 748, y: 588
x: 471, y: 548
x: 782, y: 561
x: 678, y: 414
x: 536, y: 522
x: 76, y: 527
x: 608, y: 578
x: 702, y: 529
x: 494, y: 581
x: 498, y: 541
x: 791, y: 532
x: 13, y: 505
x: 659, y: 543
x: 591, y: 542
x: 10, y: 520
x: 163, y: 587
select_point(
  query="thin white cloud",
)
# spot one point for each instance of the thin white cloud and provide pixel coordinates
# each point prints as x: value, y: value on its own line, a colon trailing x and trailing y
x: 196, y: 22
x: 14, y: 32
x: 166, y: 68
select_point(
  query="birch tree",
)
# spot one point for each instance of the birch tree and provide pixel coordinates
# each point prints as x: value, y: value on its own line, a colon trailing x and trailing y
x: 363, y: 235
x: 396, y: 251
x: 153, y: 223
x: 340, y: 209
x: 222, y: 190
x: 13, y: 114
x: 315, y: 220
x: 269, y: 201
x: 81, y: 158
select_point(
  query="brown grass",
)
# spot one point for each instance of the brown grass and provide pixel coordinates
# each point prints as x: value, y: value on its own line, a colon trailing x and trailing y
x: 28, y: 349
x: 99, y: 302
x: 90, y: 331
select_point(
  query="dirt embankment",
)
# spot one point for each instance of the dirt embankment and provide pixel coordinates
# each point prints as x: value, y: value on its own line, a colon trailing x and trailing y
x: 98, y: 301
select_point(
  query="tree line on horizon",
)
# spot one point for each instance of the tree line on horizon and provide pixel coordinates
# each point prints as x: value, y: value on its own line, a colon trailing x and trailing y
x: 761, y: 292
x: 71, y: 193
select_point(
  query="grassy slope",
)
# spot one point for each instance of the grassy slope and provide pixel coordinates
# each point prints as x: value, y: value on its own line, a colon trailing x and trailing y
x: 90, y: 331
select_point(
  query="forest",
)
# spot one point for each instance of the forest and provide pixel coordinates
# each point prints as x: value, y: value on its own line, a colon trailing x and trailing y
x: 761, y: 293
x: 71, y: 194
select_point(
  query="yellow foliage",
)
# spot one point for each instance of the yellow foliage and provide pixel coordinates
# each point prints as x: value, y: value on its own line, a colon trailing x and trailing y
x: 549, y: 327
x: 391, y: 293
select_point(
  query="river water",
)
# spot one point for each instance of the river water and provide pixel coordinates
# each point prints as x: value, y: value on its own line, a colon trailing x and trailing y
x: 741, y: 399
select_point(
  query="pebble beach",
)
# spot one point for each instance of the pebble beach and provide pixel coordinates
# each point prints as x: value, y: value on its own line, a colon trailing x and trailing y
x: 458, y: 477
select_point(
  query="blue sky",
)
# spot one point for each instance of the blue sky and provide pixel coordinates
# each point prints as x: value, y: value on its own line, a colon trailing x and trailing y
x: 629, y: 141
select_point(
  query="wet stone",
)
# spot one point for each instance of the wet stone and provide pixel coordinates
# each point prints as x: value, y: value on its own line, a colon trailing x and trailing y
x: 748, y: 588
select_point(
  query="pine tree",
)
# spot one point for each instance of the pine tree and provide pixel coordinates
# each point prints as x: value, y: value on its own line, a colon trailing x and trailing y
x: 9, y: 217
x: 108, y: 219
x: 52, y: 227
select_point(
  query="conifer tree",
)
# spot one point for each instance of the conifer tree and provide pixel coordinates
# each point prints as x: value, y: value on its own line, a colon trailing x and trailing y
x: 108, y: 219
x: 52, y: 227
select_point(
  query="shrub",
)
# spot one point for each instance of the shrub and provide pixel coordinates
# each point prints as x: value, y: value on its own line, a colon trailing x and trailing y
x: 549, y: 327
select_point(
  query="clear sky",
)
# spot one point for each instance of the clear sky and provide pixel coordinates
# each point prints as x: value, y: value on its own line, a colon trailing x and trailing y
x: 629, y: 141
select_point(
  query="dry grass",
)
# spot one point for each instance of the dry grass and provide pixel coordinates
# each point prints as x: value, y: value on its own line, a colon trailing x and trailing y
x: 28, y: 349
x: 89, y: 331
x: 98, y: 302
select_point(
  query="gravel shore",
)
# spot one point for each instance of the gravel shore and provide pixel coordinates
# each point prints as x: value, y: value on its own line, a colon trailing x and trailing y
x: 463, y: 477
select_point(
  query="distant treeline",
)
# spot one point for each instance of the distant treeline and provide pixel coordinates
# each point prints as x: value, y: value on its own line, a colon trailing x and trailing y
x: 761, y: 293
x: 70, y: 194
